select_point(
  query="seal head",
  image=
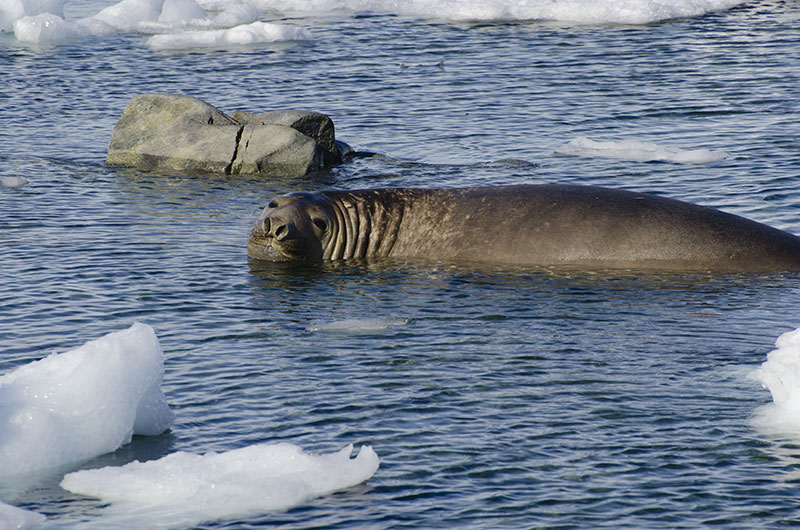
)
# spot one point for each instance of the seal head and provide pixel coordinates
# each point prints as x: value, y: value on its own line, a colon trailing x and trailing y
x: 293, y: 227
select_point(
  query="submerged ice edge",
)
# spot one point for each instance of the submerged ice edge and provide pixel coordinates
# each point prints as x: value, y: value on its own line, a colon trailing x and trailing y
x: 638, y: 151
x: 13, y: 182
x: 359, y: 325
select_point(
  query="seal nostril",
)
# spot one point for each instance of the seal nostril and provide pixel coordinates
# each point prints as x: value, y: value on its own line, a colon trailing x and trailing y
x: 280, y: 232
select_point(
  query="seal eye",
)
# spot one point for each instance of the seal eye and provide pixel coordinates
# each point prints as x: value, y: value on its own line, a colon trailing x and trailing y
x: 319, y: 223
x: 272, y: 204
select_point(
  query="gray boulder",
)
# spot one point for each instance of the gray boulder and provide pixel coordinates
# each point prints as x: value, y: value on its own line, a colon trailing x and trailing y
x: 163, y: 131
x: 312, y: 124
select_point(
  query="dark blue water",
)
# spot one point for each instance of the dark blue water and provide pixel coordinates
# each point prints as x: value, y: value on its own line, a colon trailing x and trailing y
x: 513, y: 398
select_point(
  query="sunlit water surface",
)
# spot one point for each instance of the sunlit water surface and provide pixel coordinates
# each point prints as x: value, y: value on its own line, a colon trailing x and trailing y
x: 512, y: 398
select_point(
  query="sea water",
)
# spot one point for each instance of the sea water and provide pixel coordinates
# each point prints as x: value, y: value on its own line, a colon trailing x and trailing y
x: 490, y: 397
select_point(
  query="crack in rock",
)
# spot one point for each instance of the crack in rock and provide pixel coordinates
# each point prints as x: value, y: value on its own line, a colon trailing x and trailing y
x: 229, y: 167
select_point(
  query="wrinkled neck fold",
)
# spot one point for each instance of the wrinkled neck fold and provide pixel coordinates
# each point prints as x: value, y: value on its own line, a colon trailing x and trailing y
x: 366, y: 223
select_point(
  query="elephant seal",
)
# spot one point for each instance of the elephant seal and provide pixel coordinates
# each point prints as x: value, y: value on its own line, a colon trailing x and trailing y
x: 539, y: 225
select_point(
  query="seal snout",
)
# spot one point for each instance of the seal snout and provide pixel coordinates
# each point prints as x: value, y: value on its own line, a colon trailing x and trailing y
x: 286, y: 230
x: 281, y: 230
x: 274, y: 227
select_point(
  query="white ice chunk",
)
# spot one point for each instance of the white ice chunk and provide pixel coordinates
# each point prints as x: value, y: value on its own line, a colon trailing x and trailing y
x: 638, y: 151
x: 236, y: 13
x: 246, y: 34
x: 95, y: 26
x: 177, y: 11
x: 52, y: 29
x: 184, y: 489
x: 13, y: 10
x: 128, y: 14
x: 15, y: 518
x: 73, y: 406
x: 47, y: 29
x: 780, y: 374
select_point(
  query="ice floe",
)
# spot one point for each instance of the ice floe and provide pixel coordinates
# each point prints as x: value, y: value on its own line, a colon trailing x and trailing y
x: 70, y: 407
x: 780, y: 374
x: 185, y: 489
x: 73, y: 406
x: 177, y: 23
x: 13, y: 10
x: 573, y: 11
x: 13, y: 518
x: 26, y: 17
x: 246, y: 34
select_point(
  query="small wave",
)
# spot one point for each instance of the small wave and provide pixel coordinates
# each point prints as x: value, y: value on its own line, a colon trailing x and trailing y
x: 639, y: 151
x: 359, y: 325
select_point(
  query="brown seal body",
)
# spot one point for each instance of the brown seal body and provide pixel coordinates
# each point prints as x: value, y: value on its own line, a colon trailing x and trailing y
x: 540, y: 225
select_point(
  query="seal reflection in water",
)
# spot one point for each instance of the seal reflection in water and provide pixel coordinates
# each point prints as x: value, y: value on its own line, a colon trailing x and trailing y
x: 541, y: 225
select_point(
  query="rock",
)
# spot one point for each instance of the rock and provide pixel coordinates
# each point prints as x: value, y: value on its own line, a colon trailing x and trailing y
x: 312, y: 124
x: 159, y: 131
x: 344, y: 149
x: 163, y: 131
x: 276, y: 149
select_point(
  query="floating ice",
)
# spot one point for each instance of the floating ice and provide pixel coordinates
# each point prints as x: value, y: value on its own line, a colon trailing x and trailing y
x: 47, y: 29
x: 359, y: 325
x: 13, y: 182
x: 73, y: 406
x: 13, y: 10
x: 236, y: 13
x: 575, y: 11
x: 780, y: 374
x: 246, y: 34
x: 178, y: 11
x: 164, y: 16
x: 178, y: 24
x: 128, y: 14
x: 15, y: 518
x: 184, y: 489
x: 638, y: 151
